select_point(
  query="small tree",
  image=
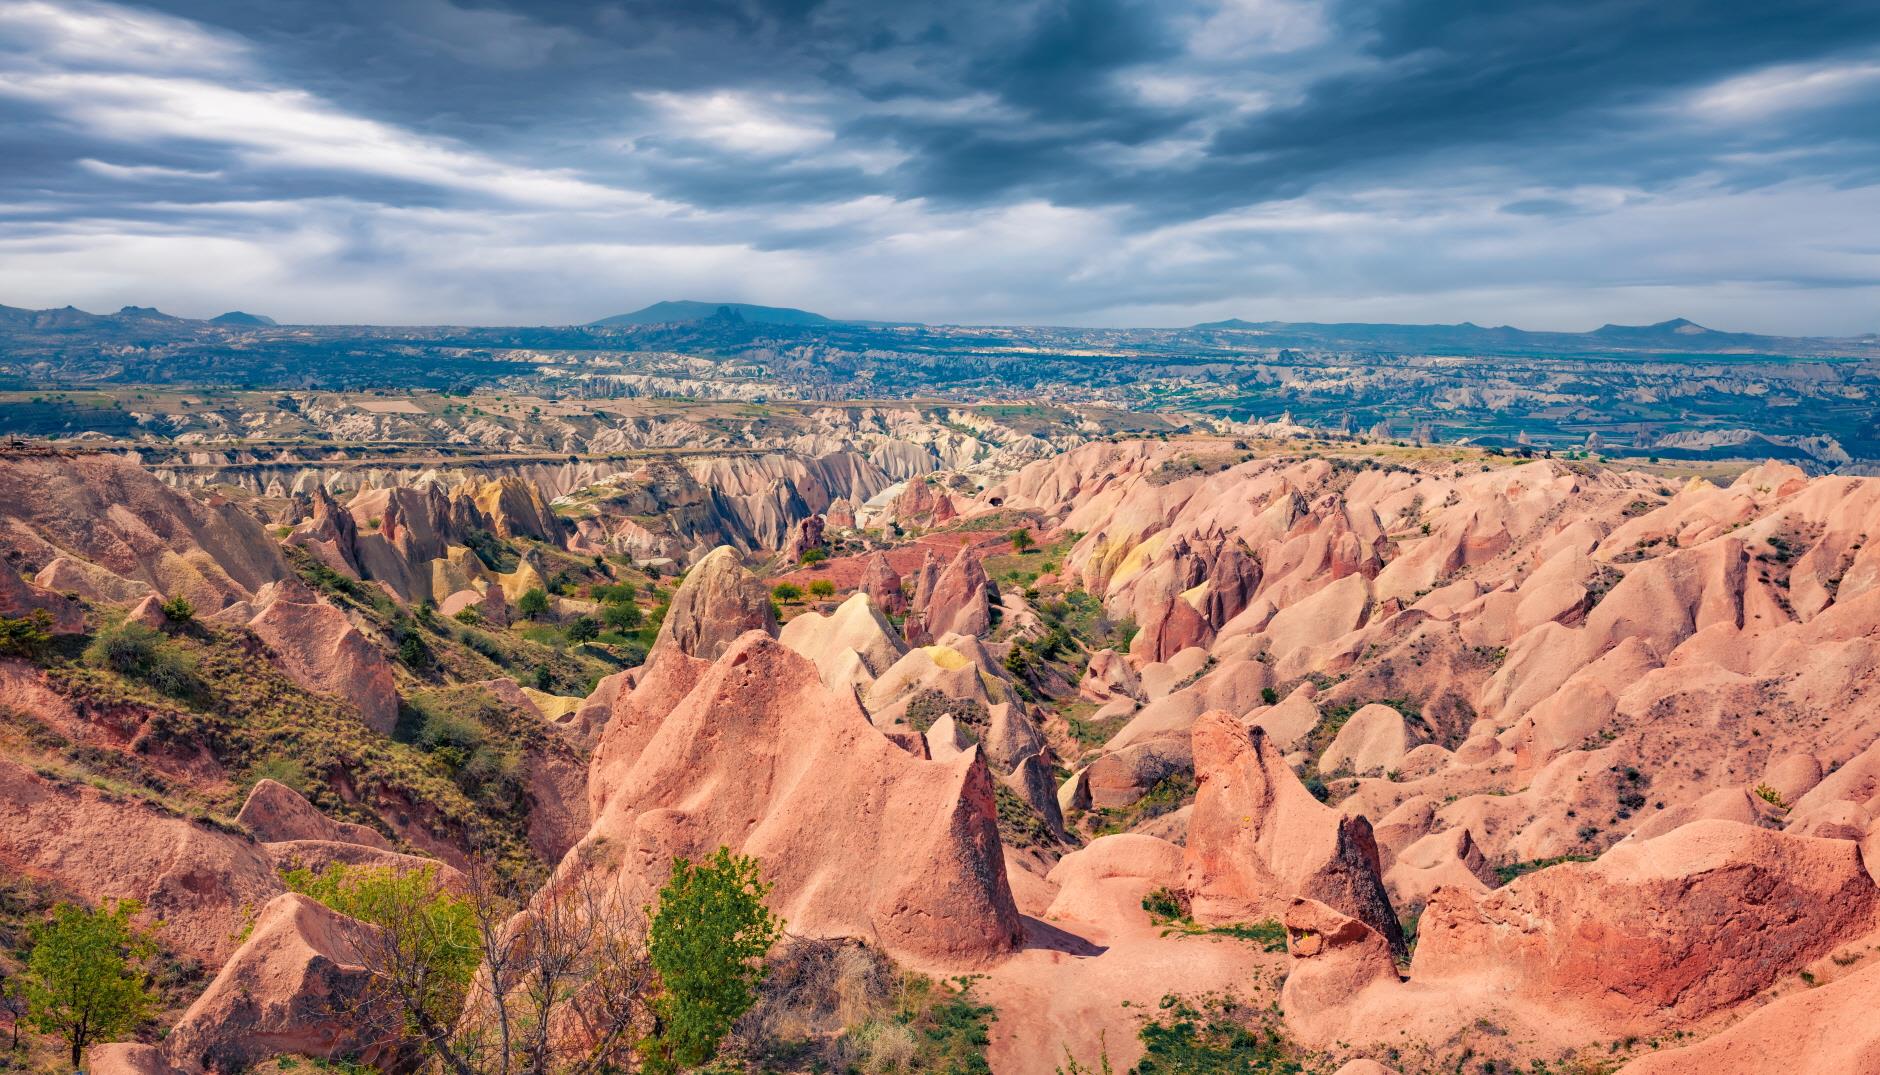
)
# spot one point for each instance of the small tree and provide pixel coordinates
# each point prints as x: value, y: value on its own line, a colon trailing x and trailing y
x: 583, y: 629
x: 1021, y: 540
x: 622, y: 617
x: 85, y: 979
x: 787, y: 591
x: 559, y: 988
x: 533, y: 602
x: 178, y: 610
x: 707, y: 943
x: 822, y: 588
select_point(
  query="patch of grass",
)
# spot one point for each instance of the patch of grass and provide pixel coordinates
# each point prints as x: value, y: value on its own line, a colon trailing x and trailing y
x: 1521, y: 869
x: 1220, y: 1035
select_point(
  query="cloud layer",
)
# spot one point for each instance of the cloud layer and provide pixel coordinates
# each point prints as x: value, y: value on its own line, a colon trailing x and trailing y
x: 1554, y: 165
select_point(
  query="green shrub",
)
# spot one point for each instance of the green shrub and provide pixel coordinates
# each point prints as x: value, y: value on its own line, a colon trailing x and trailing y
x: 622, y: 617
x: 28, y: 636
x: 787, y: 591
x: 813, y: 556
x: 137, y: 652
x: 178, y: 610
x: 583, y: 629
x: 533, y: 602
x: 822, y: 588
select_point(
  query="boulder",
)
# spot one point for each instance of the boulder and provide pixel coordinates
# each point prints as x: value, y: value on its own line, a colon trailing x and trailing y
x: 1258, y: 838
x: 297, y: 986
x: 1334, y: 958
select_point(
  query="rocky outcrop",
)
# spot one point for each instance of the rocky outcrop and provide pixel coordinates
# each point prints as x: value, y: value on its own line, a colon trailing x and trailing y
x: 717, y: 602
x: 20, y: 599
x: 1335, y: 958
x: 883, y: 586
x: 321, y: 650
x: 118, y: 517
x: 850, y: 647
x: 297, y: 986
x: 276, y: 812
x: 959, y: 599
x: 1258, y: 839
x: 1656, y: 933
x: 199, y: 881
x: 1830, y: 1029
x: 860, y: 838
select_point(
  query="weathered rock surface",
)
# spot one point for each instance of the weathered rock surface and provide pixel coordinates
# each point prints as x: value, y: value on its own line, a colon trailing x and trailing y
x: 320, y: 649
x: 1258, y: 839
x: 717, y: 602
x: 760, y: 756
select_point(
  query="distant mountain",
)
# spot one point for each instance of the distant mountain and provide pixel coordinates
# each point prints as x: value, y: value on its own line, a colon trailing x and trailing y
x: 237, y: 317
x: 670, y: 312
x: 1678, y: 334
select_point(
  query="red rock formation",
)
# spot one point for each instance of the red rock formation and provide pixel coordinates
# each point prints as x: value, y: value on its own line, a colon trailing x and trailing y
x: 883, y: 586
x: 1258, y: 838
x: 276, y: 812
x: 959, y: 601
x: 296, y: 986
x: 1827, y: 1030
x: 717, y: 602
x: 321, y: 650
x: 201, y: 882
x: 1655, y: 933
x: 20, y: 599
x: 119, y: 517
x: 807, y: 534
x: 1179, y: 627
x: 1334, y: 958
x: 860, y: 838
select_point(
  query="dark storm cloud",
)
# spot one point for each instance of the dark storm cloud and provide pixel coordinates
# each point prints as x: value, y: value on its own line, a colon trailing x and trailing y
x: 1238, y: 150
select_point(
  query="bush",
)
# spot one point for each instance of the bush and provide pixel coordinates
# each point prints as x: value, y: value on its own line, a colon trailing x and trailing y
x: 178, y: 610
x: 583, y: 629
x: 137, y: 652
x: 533, y: 602
x: 28, y: 636
x: 822, y: 588
x: 435, y: 930
x: 787, y: 591
x: 813, y: 556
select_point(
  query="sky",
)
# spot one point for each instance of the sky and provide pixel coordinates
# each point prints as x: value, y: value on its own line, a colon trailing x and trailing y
x: 1074, y: 162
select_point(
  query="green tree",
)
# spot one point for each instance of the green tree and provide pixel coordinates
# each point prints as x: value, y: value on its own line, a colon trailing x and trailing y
x: 85, y: 978
x: 583, y: 629
x: 533, y: 602
x: 178, y: 610
x: 1021, y: 540
x: 427, y: 947
x: 707, y: 944
x: 822, y: 588
x: 622, y: 617
x: 786, y: 591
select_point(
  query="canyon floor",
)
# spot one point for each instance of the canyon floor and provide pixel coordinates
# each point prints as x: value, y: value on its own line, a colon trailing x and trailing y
x: 1067, y: 738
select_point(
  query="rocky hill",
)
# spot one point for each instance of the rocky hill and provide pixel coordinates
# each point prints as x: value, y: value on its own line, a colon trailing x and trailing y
x: 1188, y: 750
